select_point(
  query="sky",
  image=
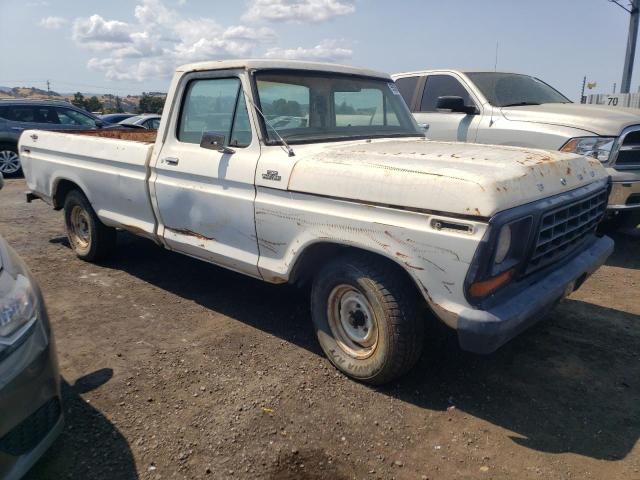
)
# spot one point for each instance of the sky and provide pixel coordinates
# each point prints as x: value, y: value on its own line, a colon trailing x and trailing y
x: 129, y: 46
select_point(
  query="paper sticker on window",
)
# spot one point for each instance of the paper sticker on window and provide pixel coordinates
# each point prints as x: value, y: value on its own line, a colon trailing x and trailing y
x: 393, y: 88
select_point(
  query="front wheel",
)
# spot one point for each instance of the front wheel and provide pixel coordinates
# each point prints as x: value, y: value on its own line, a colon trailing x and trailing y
x: 89, y: 238
x: 365, y: 313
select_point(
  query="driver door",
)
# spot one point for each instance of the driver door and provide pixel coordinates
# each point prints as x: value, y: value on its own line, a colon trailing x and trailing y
x: 204, y: 197
x: 446, y: 125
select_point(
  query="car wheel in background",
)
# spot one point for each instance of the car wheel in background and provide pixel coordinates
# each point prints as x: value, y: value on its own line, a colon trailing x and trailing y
x: 90, y: 239
x: 9, y: 161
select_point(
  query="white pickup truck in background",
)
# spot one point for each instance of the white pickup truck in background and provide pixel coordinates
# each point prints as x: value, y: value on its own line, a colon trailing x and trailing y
x: 296, y: 172
x: 513, y: 109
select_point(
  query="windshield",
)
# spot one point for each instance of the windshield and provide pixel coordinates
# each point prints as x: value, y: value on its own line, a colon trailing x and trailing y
x: 310, y: 106
x: 511, y: 89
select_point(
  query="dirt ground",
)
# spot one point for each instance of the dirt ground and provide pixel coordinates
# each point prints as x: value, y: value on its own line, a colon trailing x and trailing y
x: 174, y: 368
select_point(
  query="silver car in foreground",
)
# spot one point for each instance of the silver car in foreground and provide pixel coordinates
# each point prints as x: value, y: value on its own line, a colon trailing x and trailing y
x: 30, y: 403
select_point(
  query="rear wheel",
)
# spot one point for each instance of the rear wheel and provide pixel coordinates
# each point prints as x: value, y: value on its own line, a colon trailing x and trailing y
x: 365, y: 312
x: 89, y: 238
x: 9, y: 161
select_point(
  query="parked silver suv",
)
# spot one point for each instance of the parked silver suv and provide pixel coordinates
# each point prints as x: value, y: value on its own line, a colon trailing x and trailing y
x: 17, y: 115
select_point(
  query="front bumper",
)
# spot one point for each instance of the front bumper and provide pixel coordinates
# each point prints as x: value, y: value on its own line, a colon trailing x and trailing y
x: 625, y: 190
x: 484, y: 331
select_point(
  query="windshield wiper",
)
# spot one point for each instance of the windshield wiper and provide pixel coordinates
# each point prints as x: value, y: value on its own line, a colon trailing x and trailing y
x: 285, y: 145
x: 519, y: 104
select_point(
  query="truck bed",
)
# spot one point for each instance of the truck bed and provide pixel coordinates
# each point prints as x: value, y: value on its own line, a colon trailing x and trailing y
x: 110, y: 166
x: 133, y: 135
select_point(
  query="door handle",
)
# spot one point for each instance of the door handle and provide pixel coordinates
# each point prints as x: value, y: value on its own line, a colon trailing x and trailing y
x: 17, y: 128
x: 170, y: 161
x: 424, y: 126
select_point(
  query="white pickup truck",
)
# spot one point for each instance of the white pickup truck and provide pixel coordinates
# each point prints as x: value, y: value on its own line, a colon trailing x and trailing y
x: 520, y: 110
x: 296, y: 172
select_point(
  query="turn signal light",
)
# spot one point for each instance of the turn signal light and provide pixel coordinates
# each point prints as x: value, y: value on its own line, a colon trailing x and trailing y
x: 484, y: 288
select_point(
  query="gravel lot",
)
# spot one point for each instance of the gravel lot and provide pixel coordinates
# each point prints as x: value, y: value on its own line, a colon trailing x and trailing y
x: 174, y: 368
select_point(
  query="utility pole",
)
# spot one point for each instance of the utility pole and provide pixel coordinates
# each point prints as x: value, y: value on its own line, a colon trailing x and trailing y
x: 631, y: 43
x: 48, y: 88
x: 584, y: 83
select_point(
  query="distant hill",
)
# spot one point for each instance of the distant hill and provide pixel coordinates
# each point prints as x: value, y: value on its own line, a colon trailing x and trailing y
x: 128, y: 103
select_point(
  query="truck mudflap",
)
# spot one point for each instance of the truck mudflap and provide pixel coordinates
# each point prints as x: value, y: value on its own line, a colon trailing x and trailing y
x: 484, y: 331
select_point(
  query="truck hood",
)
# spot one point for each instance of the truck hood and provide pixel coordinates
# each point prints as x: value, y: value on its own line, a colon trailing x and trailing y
x: 598, y: 119
x: 457, y: 178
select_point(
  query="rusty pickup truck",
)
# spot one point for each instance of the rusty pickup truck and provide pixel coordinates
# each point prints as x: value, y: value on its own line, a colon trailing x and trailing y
x: 307, y: 172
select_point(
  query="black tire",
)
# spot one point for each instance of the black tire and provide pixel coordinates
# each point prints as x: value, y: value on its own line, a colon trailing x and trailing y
x: 394, y: 304
x: 7, y: 149
x: 99, y: 240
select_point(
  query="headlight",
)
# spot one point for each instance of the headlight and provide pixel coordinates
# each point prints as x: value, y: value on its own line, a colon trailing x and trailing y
x: 18, y: 305
x: 502, y: 261
x: 504, y: 244
x: 597, y: 147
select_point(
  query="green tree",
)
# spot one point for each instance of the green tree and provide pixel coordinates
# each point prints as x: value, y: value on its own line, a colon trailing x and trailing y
x: 93, y: 104
x: 79, y: 101
x: 150, y: 104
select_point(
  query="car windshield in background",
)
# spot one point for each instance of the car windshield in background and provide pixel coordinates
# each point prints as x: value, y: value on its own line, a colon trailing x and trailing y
x: 308, y: 106
x: 511, y: 89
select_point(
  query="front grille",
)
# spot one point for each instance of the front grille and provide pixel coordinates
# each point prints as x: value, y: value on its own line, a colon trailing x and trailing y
x: 628, y: 154
x: 564, y: 228
x: 30, y: 432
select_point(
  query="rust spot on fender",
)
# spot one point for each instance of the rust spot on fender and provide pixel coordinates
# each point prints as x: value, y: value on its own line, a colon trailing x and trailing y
x: 135, y: 230
x: 568, y: 170
x: 400, y: 254
x: 190, y: 233
x: 413, y: 266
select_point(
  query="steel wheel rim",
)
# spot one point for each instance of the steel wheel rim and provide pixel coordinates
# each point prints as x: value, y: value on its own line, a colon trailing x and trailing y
x: 352, y: 322
x: 79, y: 231
x: 9, y: 162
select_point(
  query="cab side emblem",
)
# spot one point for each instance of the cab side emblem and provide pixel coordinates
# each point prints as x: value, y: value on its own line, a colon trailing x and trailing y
x: 563, y: 181
x: 272, y: 175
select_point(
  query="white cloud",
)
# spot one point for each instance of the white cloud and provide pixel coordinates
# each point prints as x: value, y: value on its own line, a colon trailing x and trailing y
x: 53, y: 22
x: 297, y: 10
x: 96, y: 32
x: 327, y: 50
x: 160, y: 39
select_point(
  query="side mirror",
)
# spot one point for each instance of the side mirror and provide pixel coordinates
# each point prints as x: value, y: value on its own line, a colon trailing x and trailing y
x: 215, y: 141
x: 100, y: 123
x: 455, y: 104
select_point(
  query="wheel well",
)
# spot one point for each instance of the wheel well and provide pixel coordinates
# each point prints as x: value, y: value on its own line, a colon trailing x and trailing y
x: 62, y: 188
x: 318, y: 254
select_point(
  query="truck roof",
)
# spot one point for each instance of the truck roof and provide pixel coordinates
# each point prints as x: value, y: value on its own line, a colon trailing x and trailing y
x: 261, y: 64
x: 454, y: 70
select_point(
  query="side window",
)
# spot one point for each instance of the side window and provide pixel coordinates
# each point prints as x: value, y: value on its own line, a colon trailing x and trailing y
x: 407, y: 87
x: 67, y: 116
x: 23, y: 114
x: 241, y: 133
x: 442, y: 86
x: 208, y: 107
x: 152, y: 124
